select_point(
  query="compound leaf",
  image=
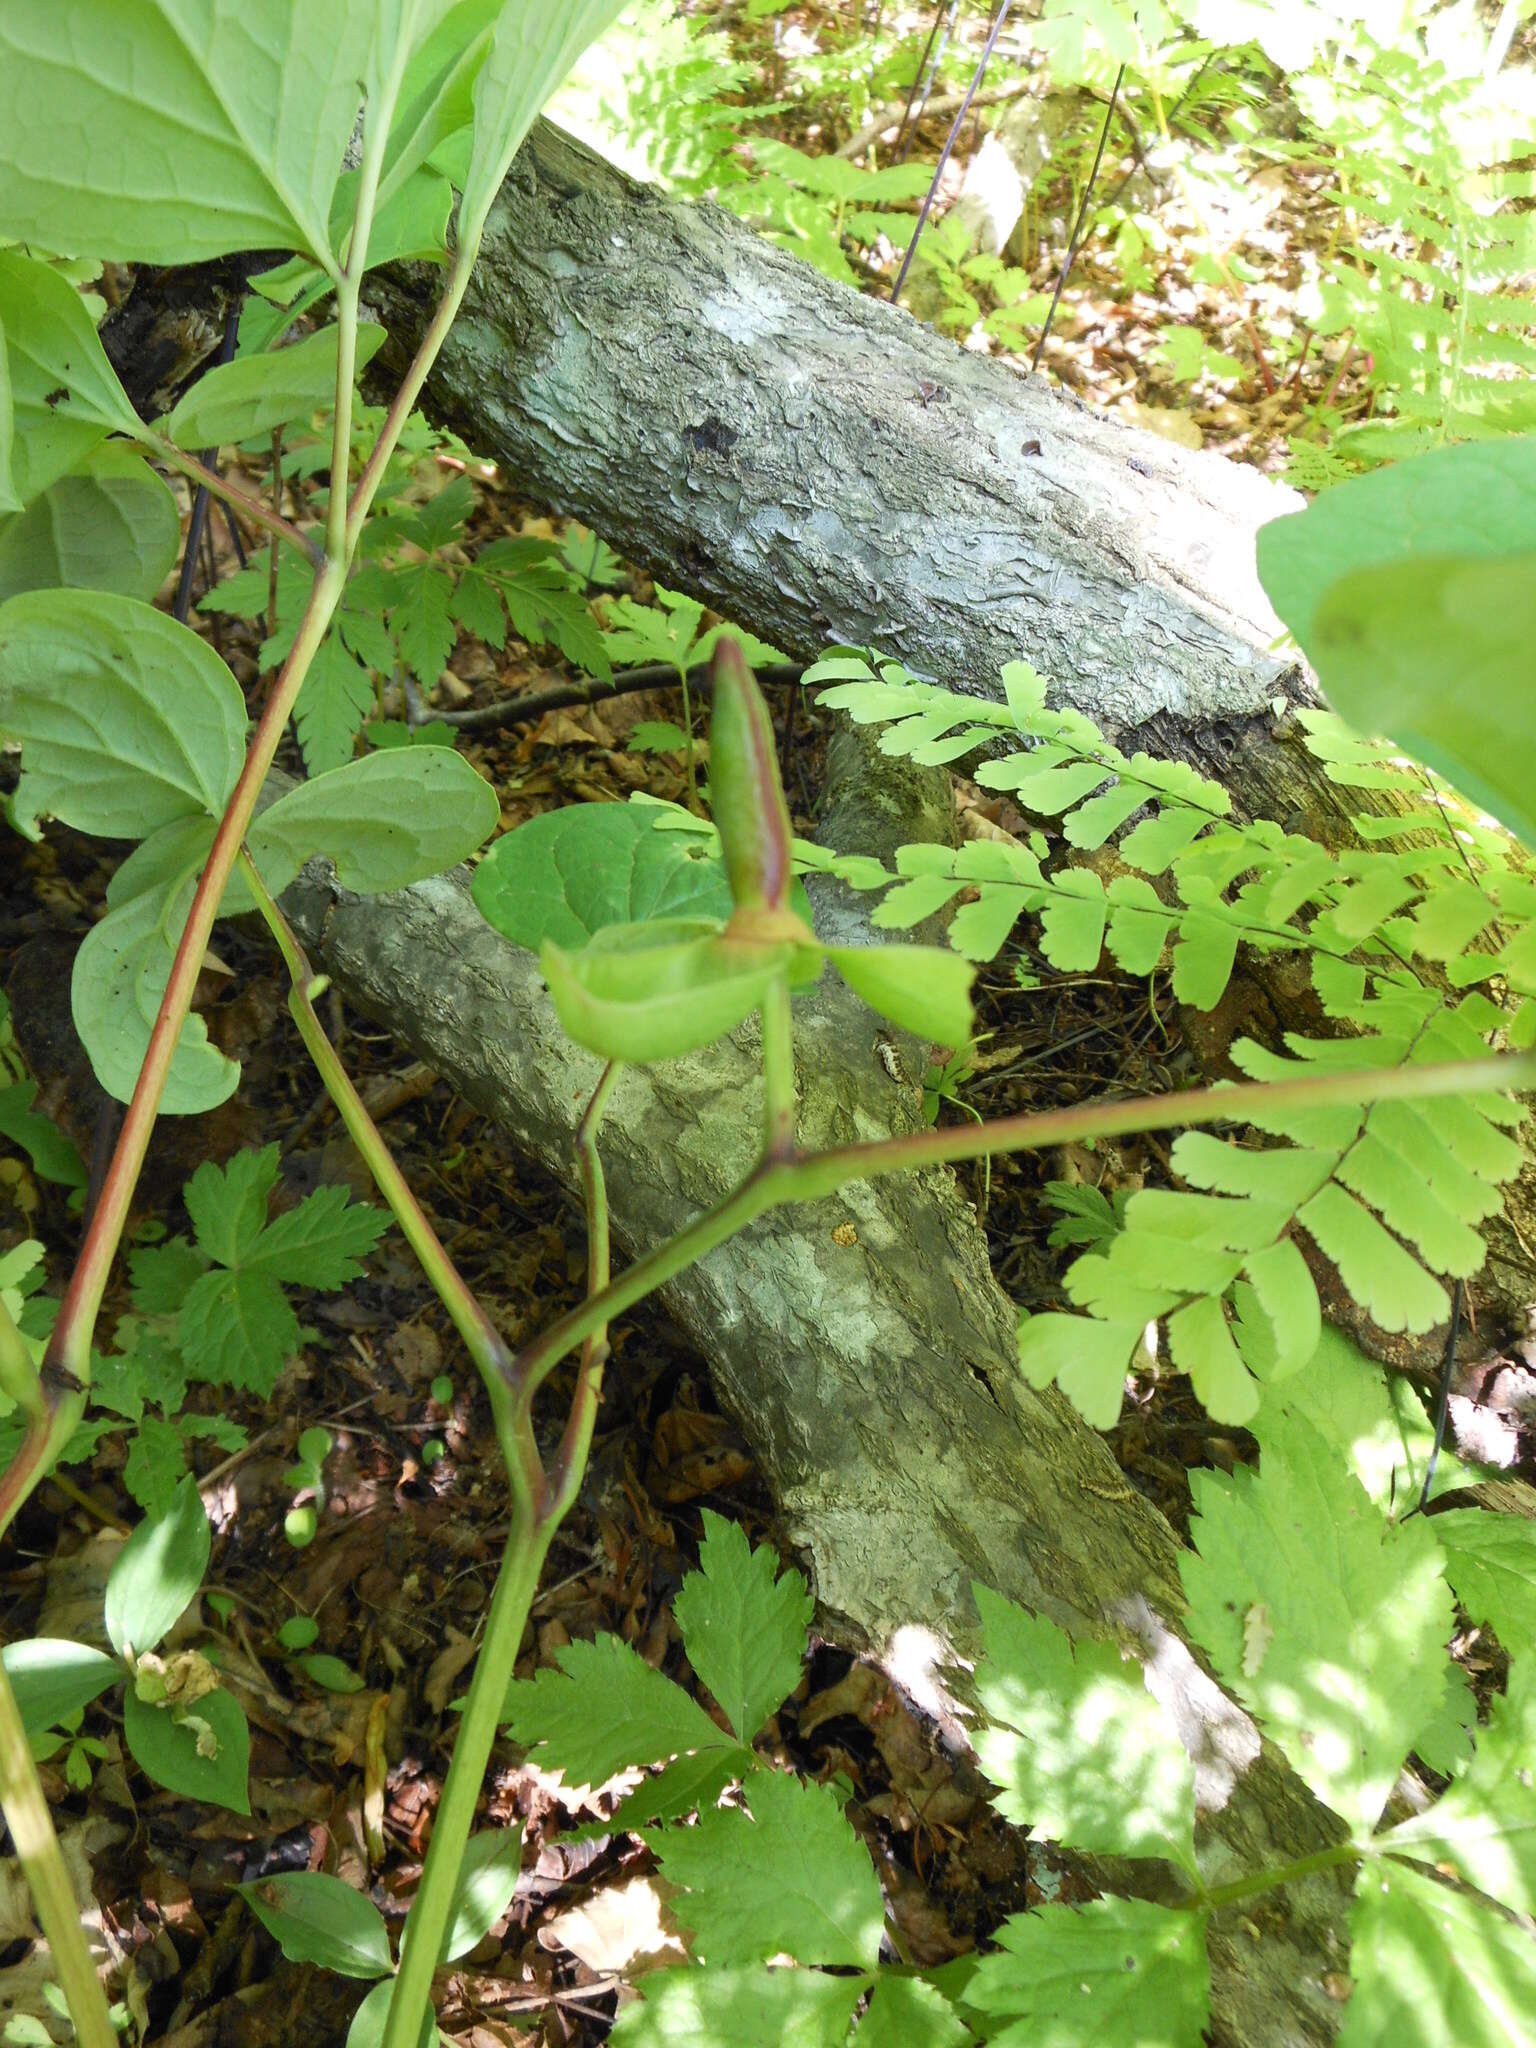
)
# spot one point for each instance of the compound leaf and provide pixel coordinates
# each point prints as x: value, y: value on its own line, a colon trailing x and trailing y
x: 1121, y: 1972
x: 604, y: 1709
x: 743, y: 1624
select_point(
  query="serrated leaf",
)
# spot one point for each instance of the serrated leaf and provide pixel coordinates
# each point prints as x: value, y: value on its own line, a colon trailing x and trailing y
x: 335, y: 698
x: 1088, y: 1359
x: 161, y: 1274
x: 1081, y: 1750
x: 155, y: 1465
x: 111, y: 524
x: 686, y: 1785
x: 238, y: 400
x: 603, y: 1710
x: 743, y: 1623
x: 228, y: 1204
x: 478, y: 607
x: 119, y: 978
x: 790, y: 1878
x: 264, y: 109
x: 319, y: 1242
x: 173, y: 1752
x: 157, y: 1574
x: 746, y: 2008
x: 907, y: 2013
x: 922, y: 989
x: 53, y: 1678
x: 126, y: 719
x: 383, y: 822
x: 1116, y: 1971
x: 318, y: 1919
x: 1485, y: 1825
x: 569, y: 873
x: 238, y: 1330
x: 1490, y: 1559
x: 422, y: 622
x: 65, y: 396
x: 1432, y: 1966
x: 1359, y: 1609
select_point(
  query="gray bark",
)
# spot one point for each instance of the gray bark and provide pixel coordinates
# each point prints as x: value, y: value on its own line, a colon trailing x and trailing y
x: 821, y: 467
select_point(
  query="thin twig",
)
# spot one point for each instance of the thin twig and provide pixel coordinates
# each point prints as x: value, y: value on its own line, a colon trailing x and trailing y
x: 949, y: 143
x: 1077, y: 225
x: 659, y: 675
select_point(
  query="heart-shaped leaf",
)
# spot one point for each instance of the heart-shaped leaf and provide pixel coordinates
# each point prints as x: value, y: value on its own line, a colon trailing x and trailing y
x: 385, y: 821
x: 110, y: 525
x: 576, y: 871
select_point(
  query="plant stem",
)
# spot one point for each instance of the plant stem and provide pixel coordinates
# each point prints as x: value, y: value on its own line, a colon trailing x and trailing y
x: 528, y: 1542
x: 1265, y: 1880
x: 804, y: 1179
x: 576, y: 1438
x: 41, y: 1858
x: 257, y: 510
x: 778, y: 1073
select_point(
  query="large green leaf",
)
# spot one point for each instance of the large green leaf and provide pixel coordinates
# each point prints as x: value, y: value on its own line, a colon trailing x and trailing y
x: 157, y: 1574
x: 747, y: 2008
x: 171, y: 131
x: 9, y: 502
x: 53, y: 1678
x: 255, y: 393
x: 110, y: 525
x: 571, y: 872
x: 318, y: 1919
x: 645, y: 1717
x: 385, y: 821
x: 532, y: 47
x: 437, y: 95
x: 205, y: 1756
x: 65, y: 395
x: 126, y: 719
x: 645, y: 992
x: 1433, y: 1967
x: 119, y: 978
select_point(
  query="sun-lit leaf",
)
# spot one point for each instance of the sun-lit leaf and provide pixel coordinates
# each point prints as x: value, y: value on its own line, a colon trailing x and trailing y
x: 922, y: 989
x: 157, y: 1574
x: 1113, y: 1971
x: 753, y: 2007
x: 1432, y: 1965
x: 318, y: 1919
x: 53, y: 1678
x: 646, y: 1718
x: 743, y: 1623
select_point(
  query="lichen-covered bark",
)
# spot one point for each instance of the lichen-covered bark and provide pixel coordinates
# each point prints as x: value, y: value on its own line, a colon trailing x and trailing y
x: 823, y: 467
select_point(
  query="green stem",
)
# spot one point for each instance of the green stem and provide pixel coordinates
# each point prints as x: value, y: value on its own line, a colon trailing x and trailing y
x: 256, y: 509
x: 778, y: 1073
x: 528, y: 1543
x: 1266, y: 1880
x: 41, y: 1858
x: 484, y: 1342
x: 576, y: 1438
x: 775, y: 1182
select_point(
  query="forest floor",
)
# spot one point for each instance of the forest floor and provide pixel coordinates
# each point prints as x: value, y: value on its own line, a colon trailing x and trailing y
x: 399, y: 1573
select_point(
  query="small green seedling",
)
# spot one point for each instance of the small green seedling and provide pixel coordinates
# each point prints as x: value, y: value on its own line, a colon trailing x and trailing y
x: 307, y: 1476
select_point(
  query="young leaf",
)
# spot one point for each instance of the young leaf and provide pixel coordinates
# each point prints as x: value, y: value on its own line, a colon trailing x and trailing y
x: 743, y: 1624
x: 383, y: 822
x: 157, y: 1574
x: 204, y: 1756
x: 746, y: 2008
x: 109, y: 525
x: 53, y: 1678
x: 569, y: 873
x: 253, y: 394
x: 155, y: 1465
x: 228, y: 1204
x: 1359, y: 1610
x: 336, y: 698
x: 262, y: 118
x: 1485, y: 1825
x: 65, y: 397
x: 52, y: 1155
x: 1432, y: 1966
x: 318, y: 1919
x: 644, y: 1717
x: 1087, y: 1359
x: 1116, y: 1971
x: 1082, y: 1751
x: 789, y: 1878
x: 126, y: 719
x: 922, y: 989
x: 654, y: 991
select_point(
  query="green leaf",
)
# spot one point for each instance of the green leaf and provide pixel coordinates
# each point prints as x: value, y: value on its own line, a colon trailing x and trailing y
x: 743, y: 1624
x: 53, y: 1678
x: 65, y: 396
x: 318, y: 1919
x: 571, y: 872
x: 1072, y: 921
x: 367, y: 2028
x: 126, y: 719
x: 1287, y: 1295
x: 1116, y: 1971
x: 1486, y: 1823
x: 1087, y: 1359
x: 155, y: 1465
x: 482, y: 1892
x: 383, y: 822
x: 685, y: 1786
x: 161, y: 1274
x: 9, y: 502
x: 335, y: 699
x: 603, y: 1710
x: 1490, y: 1559
x: 646, y: 992
x: 922, y: 989
x: 175, y: 1753
x: 1355, y: 1616
x: 235, y: 401
x: 1203, y: 957
x: 157, y: 1574
x: 319, y: 1242
x: 907, y: 2013
x: 1081, y: 1750
x: 1201, y: 1345
x: 110, y: 525
x: 182, y: 132
x: 1387, y: 1281
x: 51, y: 1153
x: 238, y: 1330
x: 329, y: 1673
x: 531, y: 50
x: 790, y: 1878
x: 748, y: 2008
x: 119, y: 977
x: 228, y: 1204
x: 1432, y: 1966
x: 656, y: 736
